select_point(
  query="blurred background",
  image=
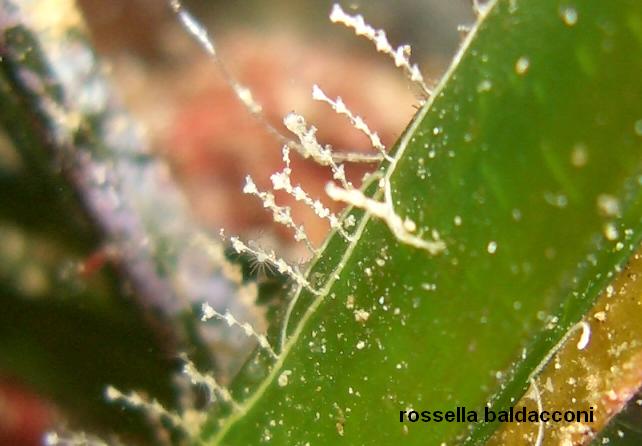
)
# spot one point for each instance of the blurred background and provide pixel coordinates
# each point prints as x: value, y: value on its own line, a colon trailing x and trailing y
x: 278, y: 48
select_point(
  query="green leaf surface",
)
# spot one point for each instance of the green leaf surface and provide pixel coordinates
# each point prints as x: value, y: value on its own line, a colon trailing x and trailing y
x: 527, y: 163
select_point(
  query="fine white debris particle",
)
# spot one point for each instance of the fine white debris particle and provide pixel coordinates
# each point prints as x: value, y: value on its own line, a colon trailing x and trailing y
x: 585, y: 337
x: 569, y: 16
x: 608, y: 205
x: 361, y: 315
x: 610, y: 231
x: 284, y: 378
x: 522, y: 65
x: 492, y: 247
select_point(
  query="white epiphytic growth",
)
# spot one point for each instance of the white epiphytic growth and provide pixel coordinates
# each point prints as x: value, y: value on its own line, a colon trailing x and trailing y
x: 246, y: 292
x: 357, y: 121
x: 401, y: 55
x: 310, y: 147
x: 540, y: 408
x: 480, y: 7
x: 188, y: 421
x: 215, y: 390
x: 210, y: 313
x: 271, y: 258
x: 280, y: 214
x: 282, y: 181
x: 193, y: 27
x: 152, y: 408
x: 307, y: 145
x: 403, y: 229
x: 75, y: 439
x: 243, y: 93
x: 582, y: 343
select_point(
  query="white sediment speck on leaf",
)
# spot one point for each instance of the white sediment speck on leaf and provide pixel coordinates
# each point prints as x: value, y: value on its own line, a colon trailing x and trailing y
x: 492, y: 247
